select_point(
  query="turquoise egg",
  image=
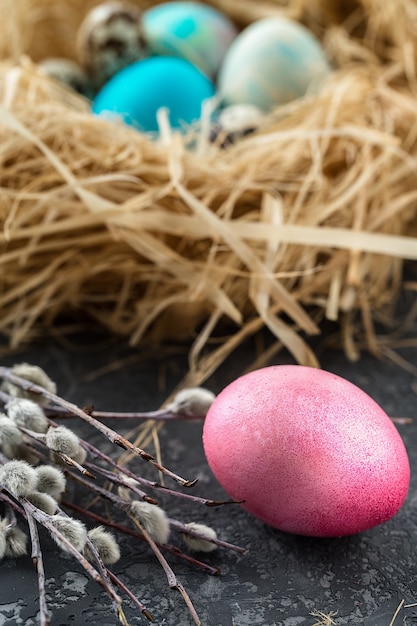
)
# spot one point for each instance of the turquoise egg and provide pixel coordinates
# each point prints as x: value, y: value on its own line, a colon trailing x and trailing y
x: 271, y: 62
x: 137, y: 92
x: 191, y: 30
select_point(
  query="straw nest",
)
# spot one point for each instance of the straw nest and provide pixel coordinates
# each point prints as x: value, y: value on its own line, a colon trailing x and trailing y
x: 310, y: 217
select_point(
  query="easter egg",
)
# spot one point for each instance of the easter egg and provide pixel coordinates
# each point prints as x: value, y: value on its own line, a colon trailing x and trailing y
x: 191, y: 30
x: 237, y: 117
x: 109, y: 38
x: 271, y: 62
x: 68, y: 73
x: 307, y: 451
x: 234, y: 122
x: 137, y: 92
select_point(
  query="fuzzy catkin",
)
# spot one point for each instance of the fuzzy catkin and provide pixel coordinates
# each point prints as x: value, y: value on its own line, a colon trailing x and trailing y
x: 192, y: 402
x: 62, y: 439
x: 105, y: 544
x: 124, y: 491
x: 51, y: 481
x: 33, y: 374
x: 16, y: 543
x: 72, y: 530
x: 80, y: 455
x: 44, y: 502
x: 2, y: 541
x: 25, y: 453
x: 19, y: 477
x: 10, y: 437
x: 199, y: 544
x: 153, y: 519
x: 28, y: 414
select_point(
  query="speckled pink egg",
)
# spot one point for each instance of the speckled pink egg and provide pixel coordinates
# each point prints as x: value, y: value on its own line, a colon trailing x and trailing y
x: 308, y: 451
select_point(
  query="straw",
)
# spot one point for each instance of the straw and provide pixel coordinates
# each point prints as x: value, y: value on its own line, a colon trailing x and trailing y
x: 316, y: 211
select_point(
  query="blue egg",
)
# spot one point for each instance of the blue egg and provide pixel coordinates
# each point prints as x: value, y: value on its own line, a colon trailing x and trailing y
x: 193, y: 31
x: 137, y: 92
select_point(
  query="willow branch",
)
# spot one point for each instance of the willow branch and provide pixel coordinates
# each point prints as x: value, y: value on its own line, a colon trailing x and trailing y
x: 95, y: 452
x: 116, y: 580
x: 173, y: 582
x: 44, y: 519
x: 111, y: 434
x: 37, y: 559
x: 214, y: 571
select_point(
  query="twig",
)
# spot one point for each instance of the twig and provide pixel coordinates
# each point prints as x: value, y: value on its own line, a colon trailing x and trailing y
x: 111, y: 435
x: 11, y: 516
x: 37, y: 559
x: 131, y: 595
x: 214, y: 571
x: 402, y: 420
x: 105, y: 573
x: 116, y: 479
x: 173, y: 582
x: 224, y: 544
x: 32, y: 513
x: 40, y: 438
x: 4, y: 397
x: 72, y: 463
x: 122, y: 504
x: 158, y: 414
x: 106, y: 469
x: 95, y: 452
x: 44, y: 519
x: 11, y: 502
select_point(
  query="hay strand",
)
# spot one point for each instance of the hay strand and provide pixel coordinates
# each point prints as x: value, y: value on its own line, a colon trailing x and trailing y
x: 158, y: 242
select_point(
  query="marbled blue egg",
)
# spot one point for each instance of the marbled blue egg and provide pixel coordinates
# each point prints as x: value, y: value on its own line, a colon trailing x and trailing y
x: 137, y: 92
x: 271, y: 62
x: 191, y: 30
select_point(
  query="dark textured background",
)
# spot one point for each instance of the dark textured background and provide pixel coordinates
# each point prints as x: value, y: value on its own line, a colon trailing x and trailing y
x: 284, y: 578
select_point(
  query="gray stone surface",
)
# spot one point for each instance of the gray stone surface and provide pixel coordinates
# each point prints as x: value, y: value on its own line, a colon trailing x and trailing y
x: 283, y: 579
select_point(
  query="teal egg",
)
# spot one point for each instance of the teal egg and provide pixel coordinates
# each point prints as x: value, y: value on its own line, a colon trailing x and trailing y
x: 273, y: 61
x: 191, y: 30
x: 137, y: 92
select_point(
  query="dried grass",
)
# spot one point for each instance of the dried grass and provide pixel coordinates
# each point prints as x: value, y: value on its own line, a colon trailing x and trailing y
x: 316, y: 211
x: 324, y: 619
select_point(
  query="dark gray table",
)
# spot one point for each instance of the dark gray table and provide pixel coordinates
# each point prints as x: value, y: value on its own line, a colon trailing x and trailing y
x: 284, y: 578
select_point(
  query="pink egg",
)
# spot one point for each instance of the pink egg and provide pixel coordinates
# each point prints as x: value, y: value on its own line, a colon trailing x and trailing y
x: 308, y: 452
